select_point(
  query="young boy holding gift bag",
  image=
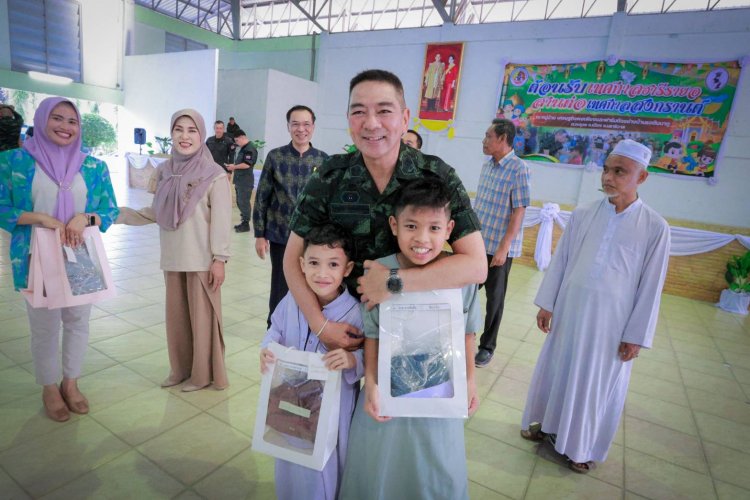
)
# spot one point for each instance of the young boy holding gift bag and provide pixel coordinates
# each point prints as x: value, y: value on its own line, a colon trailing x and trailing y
x: 326, y: 261
x: 421, y: 458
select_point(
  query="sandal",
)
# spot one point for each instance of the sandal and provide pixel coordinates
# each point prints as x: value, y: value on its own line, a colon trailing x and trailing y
x: 580, y: 467
x: 533, y: 433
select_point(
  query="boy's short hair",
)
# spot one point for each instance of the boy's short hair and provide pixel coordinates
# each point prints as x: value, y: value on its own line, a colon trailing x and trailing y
x: 427, y: 192
x: 330, y: 235
x: 240, y: 133
x: 218, y: 122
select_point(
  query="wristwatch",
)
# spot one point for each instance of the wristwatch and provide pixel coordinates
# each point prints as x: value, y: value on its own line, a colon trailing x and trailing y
x: 394, y: 283
x: 90, y: 220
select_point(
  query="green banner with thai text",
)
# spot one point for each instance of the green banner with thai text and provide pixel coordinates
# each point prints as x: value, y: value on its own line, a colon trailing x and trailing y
x: 576, y: 113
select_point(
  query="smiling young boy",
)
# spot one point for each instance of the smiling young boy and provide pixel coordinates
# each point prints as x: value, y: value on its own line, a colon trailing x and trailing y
x: 325, y: 262
x: 411, y: 457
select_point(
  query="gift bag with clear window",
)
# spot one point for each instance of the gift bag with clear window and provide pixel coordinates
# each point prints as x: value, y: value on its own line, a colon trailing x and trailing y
x: 298, y: 408
x: 422, y: 355
x: 62, y: 276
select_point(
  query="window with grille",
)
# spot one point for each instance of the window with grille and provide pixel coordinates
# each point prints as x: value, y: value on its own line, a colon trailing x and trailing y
x: 177, y: 43
x: 45, y: 36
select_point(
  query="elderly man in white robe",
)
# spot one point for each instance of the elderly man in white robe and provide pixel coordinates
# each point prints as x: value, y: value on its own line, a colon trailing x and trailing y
x: 599, y: 303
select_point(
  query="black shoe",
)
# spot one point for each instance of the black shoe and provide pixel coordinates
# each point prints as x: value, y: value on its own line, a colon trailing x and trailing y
x: 482, y: 358
x: 242, y: 227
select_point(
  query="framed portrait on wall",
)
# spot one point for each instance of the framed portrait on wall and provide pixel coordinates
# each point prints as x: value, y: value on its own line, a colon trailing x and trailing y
x: 441, y: 75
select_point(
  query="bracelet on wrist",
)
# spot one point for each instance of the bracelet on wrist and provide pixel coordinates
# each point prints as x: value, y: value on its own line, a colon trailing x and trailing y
x: 321, y: 328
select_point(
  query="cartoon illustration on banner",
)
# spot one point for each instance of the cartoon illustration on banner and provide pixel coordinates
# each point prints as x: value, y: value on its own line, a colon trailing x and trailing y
x: 576, y: 113
x: 439, y: 94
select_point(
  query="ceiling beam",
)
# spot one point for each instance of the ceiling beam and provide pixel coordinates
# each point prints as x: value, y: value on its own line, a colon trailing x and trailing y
x: 309, y: 16
x: 440, y: 8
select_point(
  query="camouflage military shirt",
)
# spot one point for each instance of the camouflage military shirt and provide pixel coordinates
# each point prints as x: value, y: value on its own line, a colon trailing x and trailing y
x: 343, y: 191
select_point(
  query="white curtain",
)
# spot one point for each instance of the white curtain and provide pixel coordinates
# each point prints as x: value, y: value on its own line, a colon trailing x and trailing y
x: 685, y: 241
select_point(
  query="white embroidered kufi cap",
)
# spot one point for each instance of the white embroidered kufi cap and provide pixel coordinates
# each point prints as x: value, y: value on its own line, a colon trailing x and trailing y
x: 633, y: 150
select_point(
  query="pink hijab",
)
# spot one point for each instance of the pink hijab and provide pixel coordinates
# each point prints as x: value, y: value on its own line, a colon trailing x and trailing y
x: 184, y: 179
x: 60, y: 163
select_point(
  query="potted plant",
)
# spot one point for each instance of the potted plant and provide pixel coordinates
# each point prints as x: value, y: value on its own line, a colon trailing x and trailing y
x: 736, y: 298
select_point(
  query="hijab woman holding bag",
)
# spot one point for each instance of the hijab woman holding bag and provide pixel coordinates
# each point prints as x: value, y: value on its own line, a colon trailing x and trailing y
x: 50, y: 183
x: 193, y: 208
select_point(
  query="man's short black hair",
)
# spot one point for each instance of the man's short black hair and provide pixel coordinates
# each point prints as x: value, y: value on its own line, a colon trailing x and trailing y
x: 419, y: 137
x: 502, y: 126
x: 218, y: 122
x: 379, y: 75
x: 239, y: 133
x: 299, y: 107
x: 427, y: 192
x: 330, y: 235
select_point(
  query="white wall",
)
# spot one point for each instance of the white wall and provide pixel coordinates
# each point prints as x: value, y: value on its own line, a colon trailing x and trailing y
x: 285, y: 91
x: 259, y: 100
x: 102, y: 37
x: 148, y: 40
x: 714, y: 36
x: 244, y: 95
x: 157, y: 85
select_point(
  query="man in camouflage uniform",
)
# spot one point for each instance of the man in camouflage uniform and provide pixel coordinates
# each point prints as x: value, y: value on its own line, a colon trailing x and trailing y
x: 358, y: 190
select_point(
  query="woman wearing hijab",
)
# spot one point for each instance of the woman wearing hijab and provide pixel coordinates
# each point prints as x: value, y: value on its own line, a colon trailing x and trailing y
x: 192, y: 206
x: 51, y: 183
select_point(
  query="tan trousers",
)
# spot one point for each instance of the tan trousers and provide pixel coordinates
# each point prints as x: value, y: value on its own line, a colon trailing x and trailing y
x: 194, y: 329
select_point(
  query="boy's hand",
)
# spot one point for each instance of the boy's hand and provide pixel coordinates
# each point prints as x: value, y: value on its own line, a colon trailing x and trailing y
x: 372, y: 403
x: 266, y: 358
x: 339, y: 360
x: 473, y: 398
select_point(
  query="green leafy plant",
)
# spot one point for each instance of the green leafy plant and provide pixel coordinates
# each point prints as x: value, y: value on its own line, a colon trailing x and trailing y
x: 150, y: 146
x: 738, y: 273
x: 258, y: 143
x: 97, y: 132
x: 165, y: 144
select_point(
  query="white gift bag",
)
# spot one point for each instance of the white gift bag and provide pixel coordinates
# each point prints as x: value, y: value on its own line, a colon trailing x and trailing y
x: 422, y: 355
x: 298, y: 409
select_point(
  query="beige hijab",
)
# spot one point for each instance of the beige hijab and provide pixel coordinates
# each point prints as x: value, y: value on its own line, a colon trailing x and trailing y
x: 184, y: 179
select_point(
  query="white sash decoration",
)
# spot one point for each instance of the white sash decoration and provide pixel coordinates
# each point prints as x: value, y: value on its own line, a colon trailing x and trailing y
x: 685, y: 241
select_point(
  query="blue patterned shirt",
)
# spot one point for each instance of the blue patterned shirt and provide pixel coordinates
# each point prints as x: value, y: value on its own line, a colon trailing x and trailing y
x: 17, y: 169
x: 285, y: 173
x: 503, y: 186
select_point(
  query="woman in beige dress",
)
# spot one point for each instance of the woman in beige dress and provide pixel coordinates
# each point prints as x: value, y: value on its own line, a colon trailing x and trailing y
x: 192, y: 206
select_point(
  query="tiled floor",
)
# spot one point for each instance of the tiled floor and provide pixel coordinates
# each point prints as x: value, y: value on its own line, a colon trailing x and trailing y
x: 685, y: 432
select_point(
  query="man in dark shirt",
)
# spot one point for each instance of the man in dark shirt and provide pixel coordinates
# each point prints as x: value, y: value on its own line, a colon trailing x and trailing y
x: 233, y: 127
x: 242, y: 165
x: 221, y: 146
x: 285, y: 173
x: 11, y: 124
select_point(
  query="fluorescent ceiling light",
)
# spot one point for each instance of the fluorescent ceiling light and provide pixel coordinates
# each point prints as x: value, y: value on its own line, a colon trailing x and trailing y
x: 44, y: 77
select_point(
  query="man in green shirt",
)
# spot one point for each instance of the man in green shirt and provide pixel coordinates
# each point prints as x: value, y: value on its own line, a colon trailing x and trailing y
x: 357, y: 190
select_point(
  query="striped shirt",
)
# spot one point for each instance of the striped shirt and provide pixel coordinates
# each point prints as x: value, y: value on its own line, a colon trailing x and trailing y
x: 503, y: 186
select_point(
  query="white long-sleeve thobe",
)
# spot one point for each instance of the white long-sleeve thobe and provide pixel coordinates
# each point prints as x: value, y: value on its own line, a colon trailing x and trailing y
x: 289, y: 328
x: 603, y: 287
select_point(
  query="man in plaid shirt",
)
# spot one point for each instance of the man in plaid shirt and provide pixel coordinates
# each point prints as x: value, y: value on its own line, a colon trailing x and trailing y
x: 284, y: 174
x: 502, y: 198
